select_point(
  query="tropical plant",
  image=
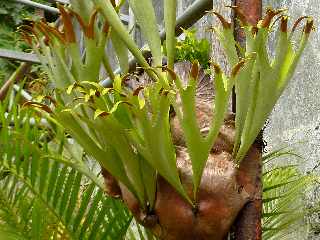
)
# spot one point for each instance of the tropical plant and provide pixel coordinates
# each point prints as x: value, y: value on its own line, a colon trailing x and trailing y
x: 200, y: 163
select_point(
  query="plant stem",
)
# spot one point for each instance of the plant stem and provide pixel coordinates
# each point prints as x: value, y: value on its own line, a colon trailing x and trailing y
x: 15, y: 78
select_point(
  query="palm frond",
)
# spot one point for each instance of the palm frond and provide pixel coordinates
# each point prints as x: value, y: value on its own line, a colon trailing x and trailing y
x: 43, y: 197
x: 284, y: 191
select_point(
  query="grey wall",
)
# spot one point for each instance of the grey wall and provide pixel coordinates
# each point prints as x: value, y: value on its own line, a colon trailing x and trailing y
x: 296, y: 117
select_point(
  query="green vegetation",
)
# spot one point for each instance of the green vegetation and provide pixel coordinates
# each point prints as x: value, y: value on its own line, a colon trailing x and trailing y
x: 47, y: 190
x: 13, y: 15
x: 53, y: 147
x: 192, y: 49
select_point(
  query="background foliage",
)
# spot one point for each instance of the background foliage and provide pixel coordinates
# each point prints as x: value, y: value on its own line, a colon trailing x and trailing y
x: 13, y: 15
x: 192, y: 48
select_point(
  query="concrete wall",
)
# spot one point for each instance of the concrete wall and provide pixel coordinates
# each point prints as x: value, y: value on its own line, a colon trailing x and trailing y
x: 296, y: 118
x: 297, y: 115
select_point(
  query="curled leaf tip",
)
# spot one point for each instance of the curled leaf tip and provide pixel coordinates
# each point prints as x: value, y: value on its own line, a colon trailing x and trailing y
x: 271, y: 13
x: 284, y: 24
x: 43, y: 28
x: 27, y: 38
x: 216, y: 68
x: 137, y: 91
x: 171, y: 72
x: 100, y: 113
x: 237, y: 68
x: 297, y: 22
x: 37, y: 105
x: 70, y: 35
x: 309, y: 25
x: 194, y: 70
x: 50, y: 32
x: 26, y: 33
x: 240, y: 14
x: 224, y: 22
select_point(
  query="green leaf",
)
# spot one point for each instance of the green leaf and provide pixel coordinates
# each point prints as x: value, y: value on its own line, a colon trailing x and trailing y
x: 170, y: 8
x: 146, y: 18
x: 36, y: 221
x: 105, y: 156
x: 113, y: 19
x: 121, y: 51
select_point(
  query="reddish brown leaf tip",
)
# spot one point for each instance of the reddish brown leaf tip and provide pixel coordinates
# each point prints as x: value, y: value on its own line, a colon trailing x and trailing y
x: 194, y: 70
x: 237, y: 68
x: 216, y: 68
x: 223, y: 21
x: 106, y: 27
x: 27, y: 38
x: 51, y: 99
x: 297, y: 22
x: 137, y: 91
x: 269, y: 16
x: 70, y: 35
x: 37, y: 105
x: 90, y: 28
x: 171, y: 72
x: 309, y: 26
x: 44, y: 30
x: 284, y: 24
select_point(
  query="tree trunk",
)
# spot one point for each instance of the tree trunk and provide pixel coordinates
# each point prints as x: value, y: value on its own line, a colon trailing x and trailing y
x: 248, y: 223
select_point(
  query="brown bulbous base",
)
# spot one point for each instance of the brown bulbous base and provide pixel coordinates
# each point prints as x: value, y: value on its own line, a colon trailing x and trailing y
x: 224, y: 191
